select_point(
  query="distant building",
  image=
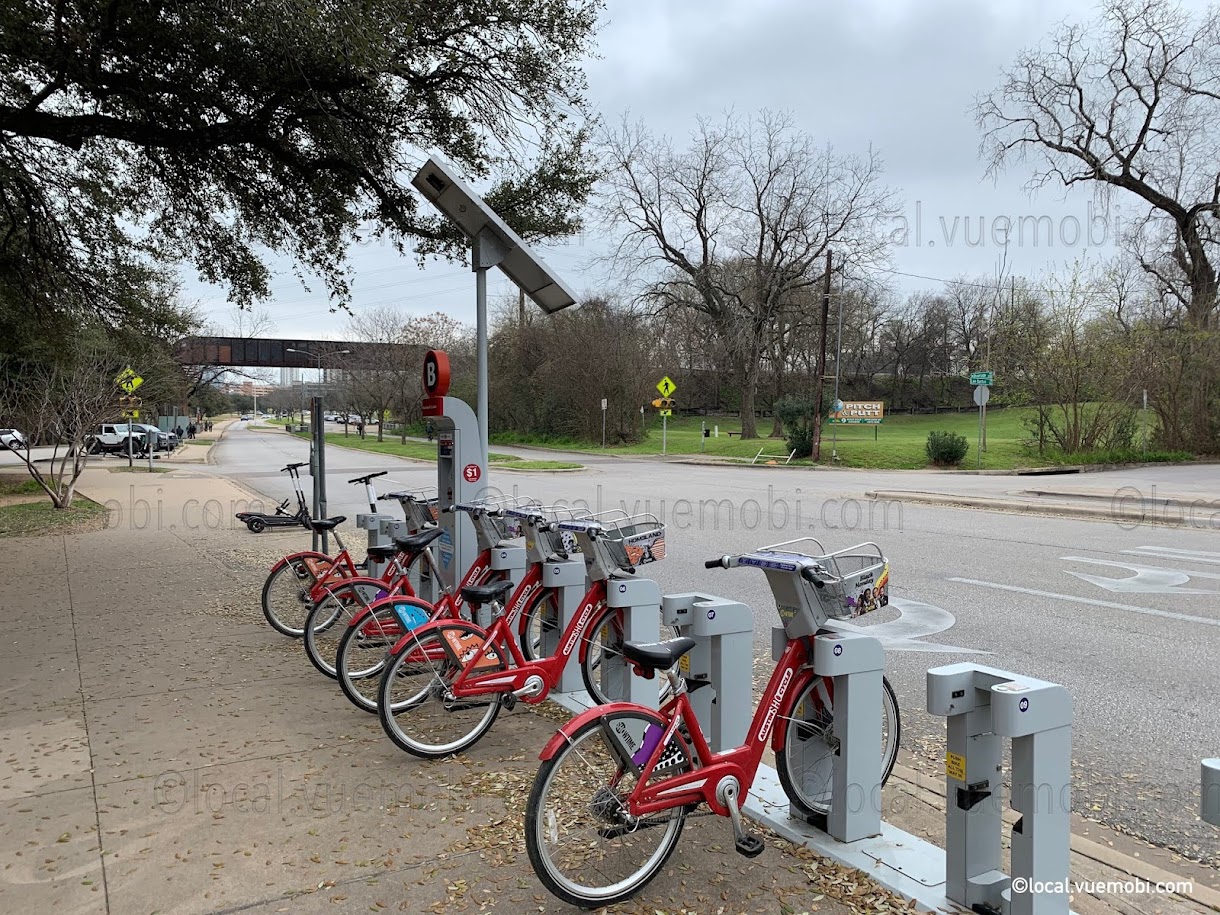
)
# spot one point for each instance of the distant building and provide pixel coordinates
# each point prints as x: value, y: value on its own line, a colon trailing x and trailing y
x: 289, y: 377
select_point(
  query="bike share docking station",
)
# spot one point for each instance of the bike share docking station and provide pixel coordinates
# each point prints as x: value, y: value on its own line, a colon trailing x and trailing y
x: 461, y: 467
x: 1209, y: 797
x: 719, y: 669
x: 982, y: 706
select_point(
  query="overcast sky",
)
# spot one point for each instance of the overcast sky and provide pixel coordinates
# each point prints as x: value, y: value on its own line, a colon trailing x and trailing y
x: 899, y: 75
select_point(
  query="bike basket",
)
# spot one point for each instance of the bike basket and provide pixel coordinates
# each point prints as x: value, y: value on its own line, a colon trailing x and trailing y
x: 854, y: 581
x: 636, y: 541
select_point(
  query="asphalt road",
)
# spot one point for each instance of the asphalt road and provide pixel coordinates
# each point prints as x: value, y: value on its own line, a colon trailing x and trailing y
x: 1128, y: 619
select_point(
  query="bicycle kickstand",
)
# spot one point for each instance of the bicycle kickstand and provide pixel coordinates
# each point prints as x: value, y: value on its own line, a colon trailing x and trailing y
x: 746, y: 843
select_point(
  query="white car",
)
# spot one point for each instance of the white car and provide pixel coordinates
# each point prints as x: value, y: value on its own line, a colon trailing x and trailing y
x: 13, y: 440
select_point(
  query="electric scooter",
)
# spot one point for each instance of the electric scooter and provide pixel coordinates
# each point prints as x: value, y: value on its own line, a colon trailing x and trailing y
x: 258, y: 522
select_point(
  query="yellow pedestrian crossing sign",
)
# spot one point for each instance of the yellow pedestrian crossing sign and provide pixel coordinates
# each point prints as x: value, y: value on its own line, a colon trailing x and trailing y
x: 128, y: 380
x: 667, y: 412
x: 666, y: 386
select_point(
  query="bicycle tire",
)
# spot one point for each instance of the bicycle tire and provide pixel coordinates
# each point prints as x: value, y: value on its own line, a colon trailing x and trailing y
x: 402, y: 719
x: 335, y: 609
x: 796, y: 778
x: 600, y: 805
x: 283, y: 611
x: 592, y: 657
x: 363, y: 653
x: 535, y: 617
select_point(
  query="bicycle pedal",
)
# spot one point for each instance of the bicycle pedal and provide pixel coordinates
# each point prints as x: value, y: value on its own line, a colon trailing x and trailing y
x: 750, y: 846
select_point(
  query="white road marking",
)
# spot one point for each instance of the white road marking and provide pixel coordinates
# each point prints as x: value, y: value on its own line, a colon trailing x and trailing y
x: 1130, y: 608
x: 1165, y: 552
x: 1146, y: 580
x: 916, y: 620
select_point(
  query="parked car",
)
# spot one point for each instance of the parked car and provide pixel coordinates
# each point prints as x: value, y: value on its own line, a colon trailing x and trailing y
x: 13, y: 440
x: 246, y: 417
x: 164, y: 441
x: 112, y: 438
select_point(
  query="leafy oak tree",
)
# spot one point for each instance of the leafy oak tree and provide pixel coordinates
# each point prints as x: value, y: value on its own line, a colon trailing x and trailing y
x: 210, y: 131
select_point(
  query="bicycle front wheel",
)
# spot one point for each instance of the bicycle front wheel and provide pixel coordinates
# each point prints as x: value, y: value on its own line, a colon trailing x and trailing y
x: 602, y: 666
x: 328, y: 621
x: 417, y: 709
x: 805, y: 761
x: 583, y: 843
x: 285, y: 599
x: 362, y: 655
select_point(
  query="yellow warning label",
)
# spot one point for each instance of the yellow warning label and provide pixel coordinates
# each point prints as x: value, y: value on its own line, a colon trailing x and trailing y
x: 955, y: 766
x: 684, y: 664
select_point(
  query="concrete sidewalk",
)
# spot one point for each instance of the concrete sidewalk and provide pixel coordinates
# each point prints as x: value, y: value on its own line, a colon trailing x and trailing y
x: 166, y: 751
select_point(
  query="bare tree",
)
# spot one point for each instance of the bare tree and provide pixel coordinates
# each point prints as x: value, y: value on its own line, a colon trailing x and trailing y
x: 738, y: 224
x: 1130, y: 102
x: 60, y: 404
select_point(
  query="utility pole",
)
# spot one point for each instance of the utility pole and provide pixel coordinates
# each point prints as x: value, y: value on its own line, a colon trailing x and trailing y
x: 521, y: 308
x: 821, y: 372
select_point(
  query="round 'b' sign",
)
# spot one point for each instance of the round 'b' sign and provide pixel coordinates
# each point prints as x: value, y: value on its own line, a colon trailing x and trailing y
x: 436, y: 373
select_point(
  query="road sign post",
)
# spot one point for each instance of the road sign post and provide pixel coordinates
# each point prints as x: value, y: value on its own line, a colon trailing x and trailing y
x: 604, y: 422
x: 982, y: 394
x: 665, y: 406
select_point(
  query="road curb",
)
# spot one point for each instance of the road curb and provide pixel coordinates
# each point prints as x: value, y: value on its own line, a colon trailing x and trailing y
x: 987, y: 503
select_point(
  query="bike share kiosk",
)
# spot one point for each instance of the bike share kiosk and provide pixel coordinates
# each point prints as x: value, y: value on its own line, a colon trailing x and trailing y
x: 461, y: 466
x: 983, y: 705
x: 719, y: 669
x: 613, y: 545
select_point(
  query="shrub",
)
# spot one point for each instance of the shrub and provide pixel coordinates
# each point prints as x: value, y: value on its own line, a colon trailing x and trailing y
x: 795, y: 413
x: 946, y: 449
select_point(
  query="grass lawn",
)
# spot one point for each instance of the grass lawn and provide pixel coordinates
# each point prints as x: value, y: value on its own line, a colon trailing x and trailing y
x: 20, y: 486
x: 423, y: 451
x: 139, y: 468
x: 35, y: 519
x: 899, y: 442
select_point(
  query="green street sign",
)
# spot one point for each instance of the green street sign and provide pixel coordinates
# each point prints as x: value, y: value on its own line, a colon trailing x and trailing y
x: 986, y: 378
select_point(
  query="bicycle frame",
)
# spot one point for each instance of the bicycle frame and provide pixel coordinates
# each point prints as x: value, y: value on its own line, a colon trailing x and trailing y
x: 448, y: 607
x: 771, y: 718
x: 499, y: 638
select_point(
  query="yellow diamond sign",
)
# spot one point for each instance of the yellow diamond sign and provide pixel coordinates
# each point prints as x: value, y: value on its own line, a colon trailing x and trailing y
x: 666, y: 386
x: 128, y: 380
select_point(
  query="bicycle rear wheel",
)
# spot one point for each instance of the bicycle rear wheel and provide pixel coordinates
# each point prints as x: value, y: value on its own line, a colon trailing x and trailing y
x: 285, y: 599
x: 583, y: 844
x: 539, y: 621
x: 417, y: 710
x: 805, y: 761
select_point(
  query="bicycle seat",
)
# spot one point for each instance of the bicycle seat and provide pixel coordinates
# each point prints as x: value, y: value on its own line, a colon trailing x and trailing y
x: 382, y: 553
x: 326, y: 524
x: 484, y: 594
x: 657, y: 655
x: 413, y: 543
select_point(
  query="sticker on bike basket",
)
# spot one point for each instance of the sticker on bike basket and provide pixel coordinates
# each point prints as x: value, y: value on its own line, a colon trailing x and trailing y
x: 766, y: 562
x: 955, y: 766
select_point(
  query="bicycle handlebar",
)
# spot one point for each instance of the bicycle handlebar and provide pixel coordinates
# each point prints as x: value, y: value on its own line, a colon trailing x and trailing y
x: 371, y: 476
x: 811, y: 576
x: 293, y: 466
x: 721, y: 563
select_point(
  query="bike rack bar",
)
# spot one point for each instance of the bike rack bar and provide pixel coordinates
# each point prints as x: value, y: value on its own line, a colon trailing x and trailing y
x: 1209, y: 800
x: 373, y: 524
x: 982, y: 705
x: 723, y: 657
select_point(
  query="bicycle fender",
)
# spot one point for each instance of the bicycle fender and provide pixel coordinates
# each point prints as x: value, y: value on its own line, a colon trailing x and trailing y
x: 365, y: 612
x: 435, y: 626
x: 564, y: 735
x: 305, y: 554
x: 784, y: 718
